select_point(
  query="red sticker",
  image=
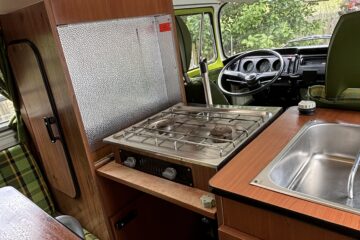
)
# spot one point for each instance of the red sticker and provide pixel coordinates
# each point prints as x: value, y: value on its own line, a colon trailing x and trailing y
x: 165, y: 27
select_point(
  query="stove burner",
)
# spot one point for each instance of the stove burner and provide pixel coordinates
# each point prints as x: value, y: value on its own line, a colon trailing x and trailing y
x: 164, y: 126
x: 221, y: 132
x: 195, y: 138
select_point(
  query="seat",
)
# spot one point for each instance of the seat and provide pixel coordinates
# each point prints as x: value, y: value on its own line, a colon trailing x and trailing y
x: 194, y: 87
x: 342, y: 80
x: 19, y: 169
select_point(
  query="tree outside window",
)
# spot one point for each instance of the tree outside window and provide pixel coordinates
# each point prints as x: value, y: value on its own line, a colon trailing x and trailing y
x: 273, y: 23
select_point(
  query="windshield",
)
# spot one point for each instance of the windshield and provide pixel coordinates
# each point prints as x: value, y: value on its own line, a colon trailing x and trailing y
x: 280, y: 23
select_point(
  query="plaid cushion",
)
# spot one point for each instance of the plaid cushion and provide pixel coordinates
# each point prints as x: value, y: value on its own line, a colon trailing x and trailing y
x: 19, y: 170
x: 89, y: 236
x: 2, y: 181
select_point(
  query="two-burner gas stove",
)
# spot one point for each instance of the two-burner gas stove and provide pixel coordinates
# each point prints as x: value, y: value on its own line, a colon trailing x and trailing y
x: 189, y: 144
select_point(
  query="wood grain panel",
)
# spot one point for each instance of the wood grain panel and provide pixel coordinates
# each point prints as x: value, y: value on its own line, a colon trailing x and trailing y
x: 115, y: 197
x: 236, y: 176
x: 202, y: 176
x: 120, y: 199
x: 36, y: 102
x: 227, y: 233
x: 8, y: 6
x: 87, y: 208
x: 75, y: 11
x: 25, y: 118
x: 272, y: 226
x: 131, y: 230
x: 175, y: 193
x: 171, y: 221
x: 36, y: 24
x: 22, y: 219
x: 219, y: 210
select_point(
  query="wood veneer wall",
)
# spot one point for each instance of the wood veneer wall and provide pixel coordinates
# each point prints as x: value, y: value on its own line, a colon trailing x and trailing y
x: 89, y: 206
x: 23, y: 24
x: 33, y: 23
x: 75, y: 11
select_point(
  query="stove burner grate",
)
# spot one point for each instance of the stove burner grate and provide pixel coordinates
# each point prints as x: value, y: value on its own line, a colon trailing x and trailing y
x: 222, y: 132
x: 201, y: 130
x: 203, y: 135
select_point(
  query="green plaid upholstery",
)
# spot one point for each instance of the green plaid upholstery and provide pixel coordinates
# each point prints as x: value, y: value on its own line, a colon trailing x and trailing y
x: 19, y: 170
x: 2, y: 181
x: 89, y: 236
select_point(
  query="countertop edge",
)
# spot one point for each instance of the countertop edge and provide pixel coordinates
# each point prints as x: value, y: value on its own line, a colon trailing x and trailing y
x: 288, y: 213
x: 222, y: 185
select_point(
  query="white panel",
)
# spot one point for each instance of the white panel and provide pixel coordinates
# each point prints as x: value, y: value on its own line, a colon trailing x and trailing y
x: 116, y: 68
x: 168, y: 53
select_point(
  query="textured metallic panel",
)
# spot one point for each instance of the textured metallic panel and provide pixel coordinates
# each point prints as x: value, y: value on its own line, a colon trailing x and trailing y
x: 117, y: 72
x: 167, y: 49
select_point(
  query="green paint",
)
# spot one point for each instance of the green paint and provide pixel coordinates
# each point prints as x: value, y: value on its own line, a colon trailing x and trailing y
x: 217, y: 63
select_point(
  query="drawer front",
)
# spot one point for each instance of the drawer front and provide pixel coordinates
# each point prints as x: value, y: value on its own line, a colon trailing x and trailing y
x: 268, y: 225
x: 227, y: 233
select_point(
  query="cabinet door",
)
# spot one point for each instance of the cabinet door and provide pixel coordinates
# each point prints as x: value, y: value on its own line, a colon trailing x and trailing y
x: 36, y: 101
x: 227, y: 233
x: 264, y: 224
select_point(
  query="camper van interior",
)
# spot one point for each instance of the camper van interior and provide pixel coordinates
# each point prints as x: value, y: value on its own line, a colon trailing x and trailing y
x: 180, y: 119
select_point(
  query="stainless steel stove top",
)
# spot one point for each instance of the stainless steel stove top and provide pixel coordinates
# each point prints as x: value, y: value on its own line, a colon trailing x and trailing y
x: 199, y: 135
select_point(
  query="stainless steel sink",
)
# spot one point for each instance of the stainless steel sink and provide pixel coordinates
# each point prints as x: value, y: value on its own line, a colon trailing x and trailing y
x: 316, y: 164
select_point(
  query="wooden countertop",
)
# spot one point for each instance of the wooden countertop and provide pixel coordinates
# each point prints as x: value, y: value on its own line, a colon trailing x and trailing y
x: 22, y: 219
x: 234, y: 179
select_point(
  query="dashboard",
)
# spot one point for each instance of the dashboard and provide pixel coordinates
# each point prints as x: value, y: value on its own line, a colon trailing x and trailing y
x: 261, y: 64
x: 306, y: 64
x: 304, y: 67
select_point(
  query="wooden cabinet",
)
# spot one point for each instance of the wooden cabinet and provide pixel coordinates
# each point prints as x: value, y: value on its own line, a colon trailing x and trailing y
x: 37, y: 21
x: 227, y: 233
x: 241, y: 221
x: 73, y: 196
x: 37, y: 106
x: 269, y: 215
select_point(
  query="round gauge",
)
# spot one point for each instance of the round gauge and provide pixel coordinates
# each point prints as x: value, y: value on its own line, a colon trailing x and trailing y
x: 276, y: 65
x: 248, y: 66
x: 263, y: 65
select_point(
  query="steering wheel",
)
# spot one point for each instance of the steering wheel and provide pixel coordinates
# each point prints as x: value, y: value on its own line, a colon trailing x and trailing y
x: 253, y: 82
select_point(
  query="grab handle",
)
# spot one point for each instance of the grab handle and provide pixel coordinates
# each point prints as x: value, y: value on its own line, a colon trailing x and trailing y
x: 48, y: 122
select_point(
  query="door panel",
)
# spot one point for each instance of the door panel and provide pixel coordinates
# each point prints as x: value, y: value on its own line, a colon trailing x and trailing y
x: 36, y: 101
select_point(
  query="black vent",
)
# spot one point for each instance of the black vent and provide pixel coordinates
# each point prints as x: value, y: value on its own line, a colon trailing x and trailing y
x: 156, y: 167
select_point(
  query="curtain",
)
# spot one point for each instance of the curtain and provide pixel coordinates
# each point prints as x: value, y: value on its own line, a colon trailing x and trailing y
x: 8, y: 90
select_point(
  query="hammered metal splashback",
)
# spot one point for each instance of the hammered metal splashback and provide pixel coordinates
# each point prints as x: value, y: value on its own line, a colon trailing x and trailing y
x: 121, y: 70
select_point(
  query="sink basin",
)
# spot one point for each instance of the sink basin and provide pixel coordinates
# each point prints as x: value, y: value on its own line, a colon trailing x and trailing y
x: 315, y: 165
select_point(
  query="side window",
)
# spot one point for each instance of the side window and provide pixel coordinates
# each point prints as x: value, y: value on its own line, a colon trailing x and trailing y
x: 208, y: 48
x: 6, y: 111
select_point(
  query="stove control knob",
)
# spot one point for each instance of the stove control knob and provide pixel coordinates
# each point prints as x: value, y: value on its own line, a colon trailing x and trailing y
x: 169, y: 173
x: 130, y: 162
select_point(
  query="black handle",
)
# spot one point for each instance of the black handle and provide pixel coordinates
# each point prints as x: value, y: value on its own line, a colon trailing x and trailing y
x: 48, y: 122
x: 203, y: 66
x: 126, y: 219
